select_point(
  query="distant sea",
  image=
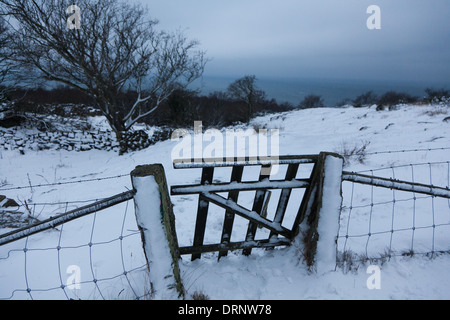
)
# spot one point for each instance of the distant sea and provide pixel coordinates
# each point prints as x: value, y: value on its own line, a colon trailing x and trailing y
x: 332, y: 91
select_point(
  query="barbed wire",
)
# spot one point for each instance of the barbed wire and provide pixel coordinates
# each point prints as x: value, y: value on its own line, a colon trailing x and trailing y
x: 65, y: 183
x: 367, y: 212
x: 407, y: 150
x: 127, y: 174
x: 405, y: 165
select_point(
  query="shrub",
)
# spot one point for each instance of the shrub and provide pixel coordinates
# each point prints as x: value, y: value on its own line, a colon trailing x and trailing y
x: 311, y: 101
x: 366, y: 99
x: 392, y: 98
x: 437, y: 95
x: 344, y: 102
x: 354, y: 152
x: 181, y: 106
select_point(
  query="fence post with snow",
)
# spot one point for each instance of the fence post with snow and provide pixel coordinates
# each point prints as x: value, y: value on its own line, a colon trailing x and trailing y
x: 319, y: 225
x: 156, y: 221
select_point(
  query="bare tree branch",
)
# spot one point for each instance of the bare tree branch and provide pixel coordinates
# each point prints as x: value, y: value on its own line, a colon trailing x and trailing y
x: 245, y: 90
x: 5, y: 67
x: 117, y: 48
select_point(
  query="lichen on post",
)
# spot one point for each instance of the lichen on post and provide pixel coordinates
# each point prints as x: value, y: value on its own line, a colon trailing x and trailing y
x: 320, y: 226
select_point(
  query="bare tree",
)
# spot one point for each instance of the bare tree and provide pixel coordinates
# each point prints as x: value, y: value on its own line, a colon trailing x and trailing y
x: 5, y: 68
x: 117, y: 49
x: 245, y: 90
x: 311, y: 101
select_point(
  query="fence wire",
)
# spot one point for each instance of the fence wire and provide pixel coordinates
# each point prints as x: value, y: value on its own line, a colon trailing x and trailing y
x: 99, y: 256
x: 378, y: 223
x: 61, y: 183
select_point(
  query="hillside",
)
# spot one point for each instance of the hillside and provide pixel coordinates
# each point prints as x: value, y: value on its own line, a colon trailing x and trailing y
x: 407, y: 136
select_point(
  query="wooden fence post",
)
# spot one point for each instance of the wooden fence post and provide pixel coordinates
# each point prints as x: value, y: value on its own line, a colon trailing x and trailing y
x: 156, y: 222
x: 321, y: 224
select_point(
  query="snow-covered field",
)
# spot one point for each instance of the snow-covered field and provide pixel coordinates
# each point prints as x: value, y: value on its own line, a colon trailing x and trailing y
x: 105, y: 248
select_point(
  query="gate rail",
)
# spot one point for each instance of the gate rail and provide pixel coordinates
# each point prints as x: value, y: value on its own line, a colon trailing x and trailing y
x: 279, y: 235
x: 397, y: 184
x: 316, y: 216
x: 60, y: 219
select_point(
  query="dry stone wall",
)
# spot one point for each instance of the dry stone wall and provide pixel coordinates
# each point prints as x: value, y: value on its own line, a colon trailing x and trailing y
x: 70, y: 140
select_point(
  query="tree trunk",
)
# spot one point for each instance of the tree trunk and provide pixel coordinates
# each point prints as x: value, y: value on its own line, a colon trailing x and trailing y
x: 250, y: 112
x: 120, y: 131
x: 128, y: 140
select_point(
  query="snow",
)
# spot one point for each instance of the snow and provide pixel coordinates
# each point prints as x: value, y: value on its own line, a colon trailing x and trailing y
x: 440, y: 192
x: 273, y: 274
x: 265, y: 184
x: 328, y: 227
x: 149, y: 219
x: 61, y: 219
x: 279, y: 276
x: 254, y: 216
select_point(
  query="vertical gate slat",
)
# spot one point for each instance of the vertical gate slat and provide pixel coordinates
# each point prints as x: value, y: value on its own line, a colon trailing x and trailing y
x: 236, y: 176
x: 291, y: 173
x: 307, y: 200
x: 257, y: 207
x: 202, y: 212
x: 307, y: 212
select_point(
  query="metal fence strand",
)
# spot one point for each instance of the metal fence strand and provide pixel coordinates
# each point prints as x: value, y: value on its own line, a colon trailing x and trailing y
x: 413, y: 212
x: 95, y: 283
x: 416, y: 224
x: 376, y: 224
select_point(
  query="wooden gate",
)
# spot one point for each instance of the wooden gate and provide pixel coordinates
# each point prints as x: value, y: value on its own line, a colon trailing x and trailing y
x: 278, y: 234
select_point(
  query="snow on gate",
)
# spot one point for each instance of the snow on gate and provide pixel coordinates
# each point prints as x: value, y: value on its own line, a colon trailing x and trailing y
x: 378, y: 216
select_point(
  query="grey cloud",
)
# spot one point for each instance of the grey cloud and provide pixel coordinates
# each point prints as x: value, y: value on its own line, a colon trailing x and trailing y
x: 316, y: 38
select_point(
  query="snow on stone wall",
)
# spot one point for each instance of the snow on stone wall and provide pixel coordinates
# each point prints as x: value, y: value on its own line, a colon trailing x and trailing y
x: 69, y: 139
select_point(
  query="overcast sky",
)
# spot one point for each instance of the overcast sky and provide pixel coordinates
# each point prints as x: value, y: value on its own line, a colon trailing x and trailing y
x: 316, y: 38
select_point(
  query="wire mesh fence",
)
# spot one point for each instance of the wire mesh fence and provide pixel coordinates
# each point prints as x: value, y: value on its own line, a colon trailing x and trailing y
x: 379, y: 223
x: 98, y: 256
